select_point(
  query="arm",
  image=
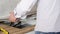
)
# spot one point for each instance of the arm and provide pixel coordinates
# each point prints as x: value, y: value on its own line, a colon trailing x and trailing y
x: 23, y: 7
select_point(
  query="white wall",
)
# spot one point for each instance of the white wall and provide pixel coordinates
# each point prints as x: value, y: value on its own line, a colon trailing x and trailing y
x: 6, y: 6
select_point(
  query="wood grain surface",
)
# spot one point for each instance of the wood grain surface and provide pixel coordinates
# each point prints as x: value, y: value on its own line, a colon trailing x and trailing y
x: 13, y: 30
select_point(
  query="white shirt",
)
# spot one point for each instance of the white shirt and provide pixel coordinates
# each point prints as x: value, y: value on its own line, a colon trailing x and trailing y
x: 23, y: 8
x: 48, y: 14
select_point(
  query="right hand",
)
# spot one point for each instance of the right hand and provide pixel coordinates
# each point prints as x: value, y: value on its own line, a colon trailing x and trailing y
x: 12, y: 17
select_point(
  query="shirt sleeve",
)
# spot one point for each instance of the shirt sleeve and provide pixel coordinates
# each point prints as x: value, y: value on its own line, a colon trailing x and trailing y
x: 23, y: 7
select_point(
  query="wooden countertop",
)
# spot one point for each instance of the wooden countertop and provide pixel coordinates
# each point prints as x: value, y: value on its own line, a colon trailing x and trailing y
x: 13, y: 30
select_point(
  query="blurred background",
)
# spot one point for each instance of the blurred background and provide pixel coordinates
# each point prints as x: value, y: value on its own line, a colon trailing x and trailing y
x: 6, y: 6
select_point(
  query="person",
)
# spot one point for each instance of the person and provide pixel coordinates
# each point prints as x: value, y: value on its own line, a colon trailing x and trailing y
x: 48, y: 15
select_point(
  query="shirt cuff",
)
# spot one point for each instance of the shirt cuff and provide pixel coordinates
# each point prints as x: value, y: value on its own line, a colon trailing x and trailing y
x: 19, y: 16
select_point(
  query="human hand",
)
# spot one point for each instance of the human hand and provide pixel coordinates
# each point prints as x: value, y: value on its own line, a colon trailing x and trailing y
x: 12, y: 17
